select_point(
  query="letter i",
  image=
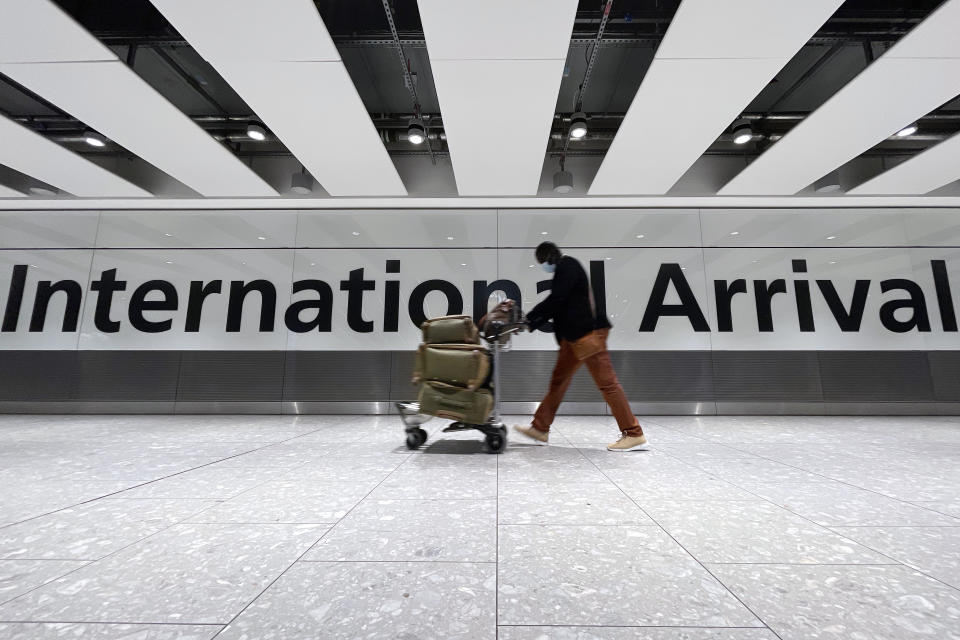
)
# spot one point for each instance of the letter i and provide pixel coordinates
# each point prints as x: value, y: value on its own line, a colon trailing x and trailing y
x: 391, y: 306
x: 802, y: 291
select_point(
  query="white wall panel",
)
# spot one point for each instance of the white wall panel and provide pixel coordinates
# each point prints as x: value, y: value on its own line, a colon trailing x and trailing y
x: 398, y: 228
x: 600, y: 227
x: 41, y: 265
x: 457, y: 266
x: 186, y: 229
x: 841, y: 266
x: 180, y: 267
x: 802, y: 228
x: 48, y: 229
x: 630, y: 275
x: 883, y: 244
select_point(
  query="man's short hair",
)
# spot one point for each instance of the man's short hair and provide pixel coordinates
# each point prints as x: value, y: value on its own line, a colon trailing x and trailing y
x: 548, y: 252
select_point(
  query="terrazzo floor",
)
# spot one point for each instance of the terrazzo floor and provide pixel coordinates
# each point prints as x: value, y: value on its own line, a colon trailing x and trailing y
x: 320, y: 527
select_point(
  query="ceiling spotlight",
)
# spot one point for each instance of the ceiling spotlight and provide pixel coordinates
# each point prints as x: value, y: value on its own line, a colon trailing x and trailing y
x: 578, y: 126
x: 562, y: 182
x: 40, y: 190
x: 742, y: 132
x: 416, y: 132
x: 256, y: 131
x: 829, y: 183
x: 301, y: 183
x: 94, y: 139
x: 908, y: 130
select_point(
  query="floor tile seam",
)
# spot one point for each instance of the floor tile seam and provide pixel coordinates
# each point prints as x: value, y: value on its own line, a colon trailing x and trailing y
x: 633, y: 626
x: 893, y: 526
x: 702, y: 565
x: 306, y: 551
x: 113, y: 622
x: 496, y: 552
x: 826, y: 528
x: 4, y: 603
x: 419, y: 562
x: 833, y: 479
x: 273, y: 582
x: 112, y: 553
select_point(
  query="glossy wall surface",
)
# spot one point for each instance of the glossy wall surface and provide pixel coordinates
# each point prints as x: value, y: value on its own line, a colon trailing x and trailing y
x: 837, y: 310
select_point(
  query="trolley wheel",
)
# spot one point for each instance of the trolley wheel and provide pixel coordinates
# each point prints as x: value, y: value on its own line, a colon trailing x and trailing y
x: 416, y: 438
x: 496, y: 442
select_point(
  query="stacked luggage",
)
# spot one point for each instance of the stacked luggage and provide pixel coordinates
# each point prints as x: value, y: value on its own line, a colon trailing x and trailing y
x: 453, y: 370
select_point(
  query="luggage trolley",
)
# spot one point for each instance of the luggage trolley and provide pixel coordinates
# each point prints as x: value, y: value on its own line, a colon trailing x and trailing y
x: 497, y: 335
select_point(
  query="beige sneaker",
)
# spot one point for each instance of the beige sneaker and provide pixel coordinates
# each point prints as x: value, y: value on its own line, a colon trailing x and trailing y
x: 629, y: 443
x: 538, y: 437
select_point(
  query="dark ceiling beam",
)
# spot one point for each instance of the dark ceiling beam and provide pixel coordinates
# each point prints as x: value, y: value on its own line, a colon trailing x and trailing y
x: 189, y: 79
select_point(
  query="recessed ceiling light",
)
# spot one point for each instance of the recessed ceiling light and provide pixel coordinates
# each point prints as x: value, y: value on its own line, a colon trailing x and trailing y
x: 531, y: 266
x: 640, y: 236
x: 256, y: 131
x: 578, y: 125
x: 908, y: 130
x: 832, y: 262
x: 168, y: 235
x: 543, y: 233
x: 449, y: 237
x: 356, y: 233
x: 609, y: 258
x: 463, y: 264
x: 94, y: 139
x: 831, y: 237
x: 734, y: 233
x: 169, y: 262
x: 261, y: 238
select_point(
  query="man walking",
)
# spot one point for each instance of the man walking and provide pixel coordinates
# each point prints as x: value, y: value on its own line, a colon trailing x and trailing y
x: 582, y: 336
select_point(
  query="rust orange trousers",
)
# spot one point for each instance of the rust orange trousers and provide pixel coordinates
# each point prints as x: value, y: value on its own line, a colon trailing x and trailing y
x: 603, y: 375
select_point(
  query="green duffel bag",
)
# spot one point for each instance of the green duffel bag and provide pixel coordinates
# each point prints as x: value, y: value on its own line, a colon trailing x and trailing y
x: 462, y: 365
x: 455, y: 403
x: 450, y: 330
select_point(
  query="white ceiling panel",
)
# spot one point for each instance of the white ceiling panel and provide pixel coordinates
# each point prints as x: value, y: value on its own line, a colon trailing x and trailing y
x: 702, y: 78
x: 937, y: 166
x: 109, y: 97
x: 39, y: 31
x: 485, y: 56
x: 506, y: 156
x: 917, y: 75
x: 7, y: 192
x: 497, y: 29
x: 935, y: 37
x: 649, y: 154
x: 30, y: 153
x: 278, y: 30
x: 743, y: 28
x: 888, y: 95
x: 291, y: 75
x: 315, y: 110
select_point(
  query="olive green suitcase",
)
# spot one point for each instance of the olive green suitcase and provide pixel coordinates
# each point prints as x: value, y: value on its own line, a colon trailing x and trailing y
x: 450, y: 330
x: 461, y: 365
x: 455, y: 403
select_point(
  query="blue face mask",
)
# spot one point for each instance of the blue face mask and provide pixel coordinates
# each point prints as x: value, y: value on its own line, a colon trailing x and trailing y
x: 549, y: 268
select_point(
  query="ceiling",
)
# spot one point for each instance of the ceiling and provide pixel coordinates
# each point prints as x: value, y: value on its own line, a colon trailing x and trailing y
x: 171, y: 85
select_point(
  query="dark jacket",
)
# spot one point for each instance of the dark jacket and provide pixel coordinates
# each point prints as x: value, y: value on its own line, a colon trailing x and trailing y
x: 568, y: 304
